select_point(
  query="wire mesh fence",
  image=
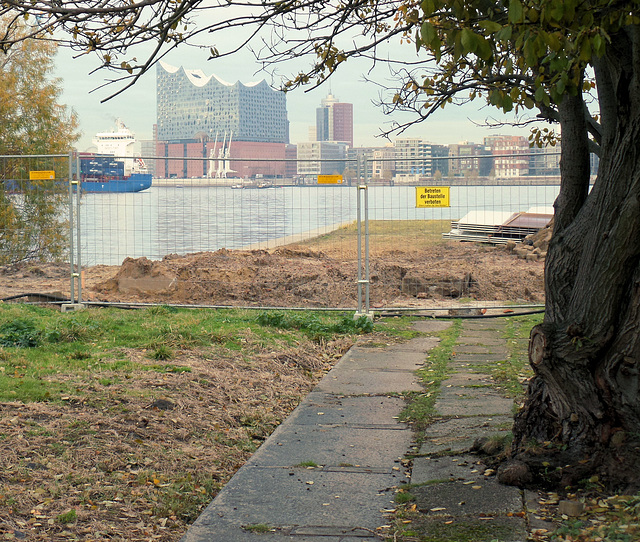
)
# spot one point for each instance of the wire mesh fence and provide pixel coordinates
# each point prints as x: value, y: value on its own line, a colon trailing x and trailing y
x: 278, y: 242
x: 34, y: 221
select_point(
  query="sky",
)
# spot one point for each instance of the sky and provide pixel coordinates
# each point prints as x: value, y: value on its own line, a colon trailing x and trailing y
x: 136, y: 106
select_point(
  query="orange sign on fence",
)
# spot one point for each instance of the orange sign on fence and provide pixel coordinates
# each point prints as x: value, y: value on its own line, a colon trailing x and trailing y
x: 42, y: 175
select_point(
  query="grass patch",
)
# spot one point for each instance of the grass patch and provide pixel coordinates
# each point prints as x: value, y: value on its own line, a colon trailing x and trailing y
x: 307, y: 465
x: 422, y: 529
x: 258, y: 528
x: 420, y: 410
x: 314, y: 325
x: 67, y: 517
x: 37, y: 344
x: 511, y: 374
x: 384, y: 235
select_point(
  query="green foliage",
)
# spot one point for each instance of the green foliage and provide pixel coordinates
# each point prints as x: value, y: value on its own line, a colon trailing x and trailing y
x: 313, y: 325
x: 402, y: 497
x: 32, y: 225
x: 20, y: 332
x: 161, y: 352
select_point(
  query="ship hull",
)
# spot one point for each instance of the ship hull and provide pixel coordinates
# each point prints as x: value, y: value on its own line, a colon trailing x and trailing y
x: 135, y: 183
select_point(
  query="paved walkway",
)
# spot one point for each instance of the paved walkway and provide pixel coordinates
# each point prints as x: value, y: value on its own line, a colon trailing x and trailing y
x: 329, y: 473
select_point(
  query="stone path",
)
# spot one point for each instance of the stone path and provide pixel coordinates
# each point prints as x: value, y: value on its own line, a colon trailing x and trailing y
x: 330, y: 472
x: 456, y: 492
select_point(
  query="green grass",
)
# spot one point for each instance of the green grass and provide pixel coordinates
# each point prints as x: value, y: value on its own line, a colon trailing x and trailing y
x: 39, y: 343
x: 510, y: 373
x: 307, y: 465
x: 420, y: 410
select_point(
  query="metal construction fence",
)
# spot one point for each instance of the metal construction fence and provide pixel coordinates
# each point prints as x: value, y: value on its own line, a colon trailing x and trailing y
x: 357, y: 244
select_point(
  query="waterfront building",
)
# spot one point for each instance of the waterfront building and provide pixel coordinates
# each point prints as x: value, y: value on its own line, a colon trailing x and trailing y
x: 506, y: 151
x: 383, y: 163
x: 334, y: 121
x: 200, y: 118
x: 291, y: 166
x: 415, y: 158
x: 321, y: 158
x: 545, y: 161
x: 469, y: 160
x: 362, y: 156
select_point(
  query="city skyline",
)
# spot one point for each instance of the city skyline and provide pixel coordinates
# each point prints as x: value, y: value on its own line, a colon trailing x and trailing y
x: 80, y: 91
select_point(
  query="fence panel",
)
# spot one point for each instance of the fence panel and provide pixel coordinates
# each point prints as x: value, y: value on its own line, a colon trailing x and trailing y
x: 273, y: 243
x: 34, y: 222
x: 276, y: 242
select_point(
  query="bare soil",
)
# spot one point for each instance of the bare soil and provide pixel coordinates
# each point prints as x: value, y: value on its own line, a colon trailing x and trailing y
x: 295, y: 276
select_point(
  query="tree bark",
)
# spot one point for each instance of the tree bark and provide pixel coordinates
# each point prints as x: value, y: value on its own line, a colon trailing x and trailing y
x: 582, y: 409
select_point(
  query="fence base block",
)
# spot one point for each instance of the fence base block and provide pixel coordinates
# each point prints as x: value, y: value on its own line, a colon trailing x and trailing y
x: 368, y: 315
x: 66, y: 307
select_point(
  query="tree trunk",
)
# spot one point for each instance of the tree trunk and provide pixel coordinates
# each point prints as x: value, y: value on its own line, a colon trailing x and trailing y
x: 582, y: 410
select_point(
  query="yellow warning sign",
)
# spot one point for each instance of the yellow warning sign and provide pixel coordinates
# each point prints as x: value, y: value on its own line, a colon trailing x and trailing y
x: 432, y: 196
x: 42, y: 175
x: 329, y: 179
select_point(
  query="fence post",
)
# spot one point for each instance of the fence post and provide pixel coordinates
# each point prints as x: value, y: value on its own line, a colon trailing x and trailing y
x: 75, y: 299
x: 72, y: 294
x: 363, y: 280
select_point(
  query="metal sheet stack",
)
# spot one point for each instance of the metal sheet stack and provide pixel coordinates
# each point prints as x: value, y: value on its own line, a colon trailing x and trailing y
x: 498, y: 227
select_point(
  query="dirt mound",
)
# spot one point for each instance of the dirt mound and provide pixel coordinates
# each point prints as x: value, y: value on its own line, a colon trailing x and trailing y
x: 290, y: 277
x: 296, y: 276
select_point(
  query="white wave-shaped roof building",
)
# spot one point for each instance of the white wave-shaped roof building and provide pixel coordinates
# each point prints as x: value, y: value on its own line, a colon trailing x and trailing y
x: 191, y: 104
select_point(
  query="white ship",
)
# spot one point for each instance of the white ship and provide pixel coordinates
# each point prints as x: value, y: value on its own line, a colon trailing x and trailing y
x: 120, y: 144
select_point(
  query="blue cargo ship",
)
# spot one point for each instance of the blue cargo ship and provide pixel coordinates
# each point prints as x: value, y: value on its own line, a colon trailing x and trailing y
x: 104, y: 173
x: 113, y: 168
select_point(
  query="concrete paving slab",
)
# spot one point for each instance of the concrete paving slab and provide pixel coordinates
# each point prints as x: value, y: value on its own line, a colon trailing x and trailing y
x: 431, y: 325
x: 303, y: 499
x: 481, y: 349
x: 334, y: 445
x: 493, y: 324
x: 480, y: 358
x: 457, y: 425
x: 417, y: 344
x: 326, y: 409
x: 487, y: 339
x: 469, y: 379
x: 234, y: 533
x: 357, y: 382
x: 487, y: 497
x: 457, y: 435
x: 472, y: 402
x: 369, y: 359
x: 463, y: 467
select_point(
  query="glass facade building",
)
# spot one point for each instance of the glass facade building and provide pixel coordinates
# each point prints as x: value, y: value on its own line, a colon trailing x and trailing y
x: 192, y: 105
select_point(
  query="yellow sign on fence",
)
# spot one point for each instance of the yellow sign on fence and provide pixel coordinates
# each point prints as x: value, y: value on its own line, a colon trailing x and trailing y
x: 42, y: 175
x: 432, y: 196
x: 329, y: 179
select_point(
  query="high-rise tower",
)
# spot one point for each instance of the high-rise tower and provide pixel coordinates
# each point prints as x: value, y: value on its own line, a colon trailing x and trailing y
x: 334, y: 121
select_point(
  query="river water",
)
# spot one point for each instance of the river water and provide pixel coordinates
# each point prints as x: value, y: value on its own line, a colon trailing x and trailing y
x: 180, y: 220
